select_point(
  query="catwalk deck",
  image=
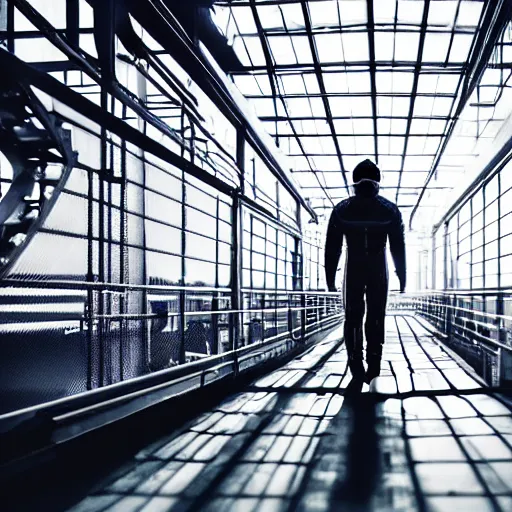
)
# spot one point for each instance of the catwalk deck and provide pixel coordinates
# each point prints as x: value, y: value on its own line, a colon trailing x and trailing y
x: 426, y: 436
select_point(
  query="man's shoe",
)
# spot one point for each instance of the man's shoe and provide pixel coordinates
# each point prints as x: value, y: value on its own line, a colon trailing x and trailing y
x: 373, y: 370
x: 356, y: 368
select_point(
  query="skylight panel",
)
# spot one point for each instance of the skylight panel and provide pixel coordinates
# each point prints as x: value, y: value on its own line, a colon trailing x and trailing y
x: 305, y: 127
x: 249, y: 51
x: 491, y: 77
x: 329, y: 47
x: 413, y: 179
x: 363, y: 126
x: 460, y: 47
x: 298, y: 107
x: 282, y: 50
x: 416, y: 145
x: 321, y: 126
x: 347, y: 145
x: 316, y: 145
x: 311, y: 83
x: 270, y: 17
x: 383, y: 126
x: 469, y: 13
x: 307, y: 180
x: 432, y: 145
x: 244, y: 19
x: 340, y: 106
x: 365, y: 145
x: 384, y: 105
x: 383, y: 142
x: 292, y: 84
x: 423, y: 106
x: 442, y: 106
x: 394, y: 81
x: 436, y: 46
x: 21, y: 23
x: 263, y: 83
x: 390, y: 178
x: 37, y: 50
x: 333, y: 179
x: 290, y: 145
x: 335, y: 82
x: 427, y: 82
x: 359, y: 82
x: 437, y: 126
x: 293, y: 16
x: 406, y: 46
x: 384, y: 11
x: 327, y: 163
x: 384, y: 45
x: 54, y: 12
x: 410, y: 12
x: 302, y: 49
x: 448, y: 83
x: 418, y: 163
x: 345, y: 126
x: 353, y: 12
x: 283, y: 127
x: 396, y: 145
x: 264, y: 107
x: 248, y: 85
x: 441, y: 13
x: 355, y: 46
x: 361, y: 106
x: 400, y: 106
x: 317, y: 107
x: 398, y: 126
x: 419, y: 126
x: 390, y: 163
x: 323, y: 14
x: 300, y: 163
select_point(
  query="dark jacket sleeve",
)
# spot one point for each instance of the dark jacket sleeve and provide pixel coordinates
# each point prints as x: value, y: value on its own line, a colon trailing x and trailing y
x: 333, y: 246
x: 397, y: 247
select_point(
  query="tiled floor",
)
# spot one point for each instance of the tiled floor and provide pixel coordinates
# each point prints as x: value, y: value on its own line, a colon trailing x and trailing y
x: 424, y: 436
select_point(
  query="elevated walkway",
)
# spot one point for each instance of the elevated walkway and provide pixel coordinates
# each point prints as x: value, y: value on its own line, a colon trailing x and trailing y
x: 427, y: 435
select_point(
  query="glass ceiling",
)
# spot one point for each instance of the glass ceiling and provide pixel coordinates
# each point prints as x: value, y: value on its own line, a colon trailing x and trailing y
x: 333, y: 92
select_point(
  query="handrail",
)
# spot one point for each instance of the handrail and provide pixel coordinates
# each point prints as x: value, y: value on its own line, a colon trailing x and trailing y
x: 293, y: 325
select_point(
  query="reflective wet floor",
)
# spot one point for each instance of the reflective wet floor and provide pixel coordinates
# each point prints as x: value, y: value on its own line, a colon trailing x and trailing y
x: 426, y: 435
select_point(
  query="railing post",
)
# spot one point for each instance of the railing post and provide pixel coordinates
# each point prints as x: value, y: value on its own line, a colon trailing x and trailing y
x: 303, y: 317
x: 182, y: 326
x: 215, y: 325
x: 236, y: 330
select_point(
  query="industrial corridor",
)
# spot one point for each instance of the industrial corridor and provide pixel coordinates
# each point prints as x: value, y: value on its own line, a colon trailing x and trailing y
x: 427, y: 434
x: 256, y: 255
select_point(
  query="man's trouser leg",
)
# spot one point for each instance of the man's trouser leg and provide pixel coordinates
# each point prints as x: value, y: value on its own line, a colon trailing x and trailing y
x: 353, y: 328
x: 376, y: 299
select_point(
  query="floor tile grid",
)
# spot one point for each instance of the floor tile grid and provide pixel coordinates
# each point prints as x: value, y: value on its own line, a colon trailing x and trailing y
x: 181, y: 463
x: 257, y: 500
x: 454, y: 435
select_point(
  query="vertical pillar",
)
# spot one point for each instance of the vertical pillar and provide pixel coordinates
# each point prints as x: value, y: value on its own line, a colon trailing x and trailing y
x: 236, y: 331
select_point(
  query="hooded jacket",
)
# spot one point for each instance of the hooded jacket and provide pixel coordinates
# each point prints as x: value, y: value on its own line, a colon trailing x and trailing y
x: 366, y: 220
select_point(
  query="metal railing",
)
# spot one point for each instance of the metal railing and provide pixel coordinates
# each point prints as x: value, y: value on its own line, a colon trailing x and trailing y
x: 475, y: 324
x: 187, y: 335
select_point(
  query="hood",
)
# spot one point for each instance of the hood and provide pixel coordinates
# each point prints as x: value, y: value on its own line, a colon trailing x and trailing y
x: 366, y: 188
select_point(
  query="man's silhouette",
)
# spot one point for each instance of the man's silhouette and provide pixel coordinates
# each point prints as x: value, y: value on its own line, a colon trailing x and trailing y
x: 366, y: 220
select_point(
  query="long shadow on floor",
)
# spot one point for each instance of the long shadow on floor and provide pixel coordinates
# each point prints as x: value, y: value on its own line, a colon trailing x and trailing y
x: 348, y: 461
x: 363, y: 469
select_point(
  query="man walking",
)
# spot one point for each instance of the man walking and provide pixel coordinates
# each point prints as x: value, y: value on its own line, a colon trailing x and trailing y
x: 366, y: 220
